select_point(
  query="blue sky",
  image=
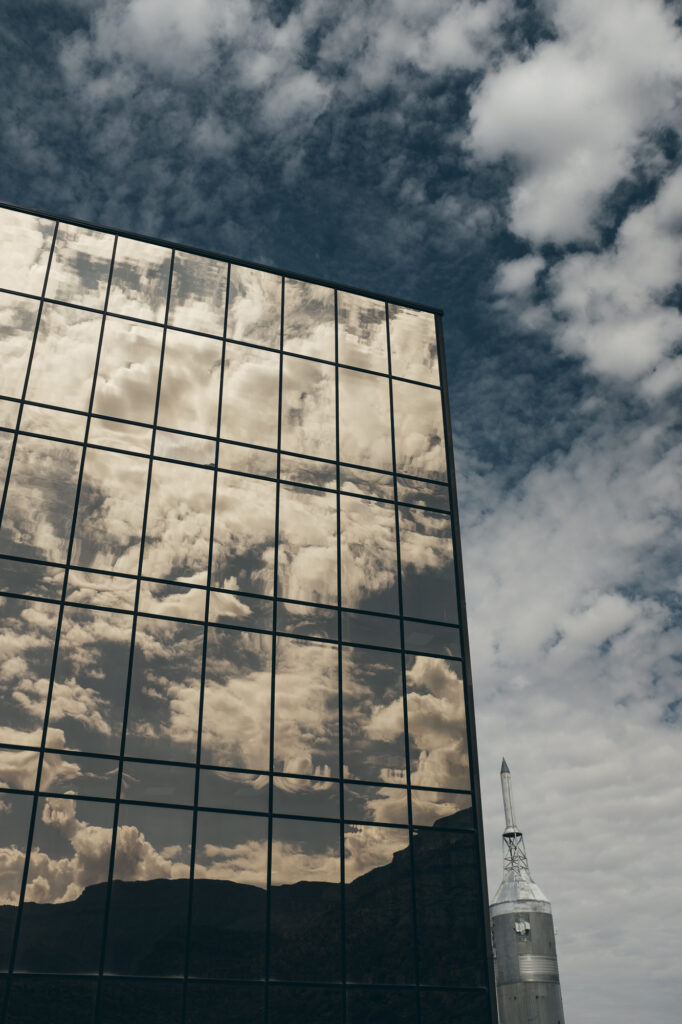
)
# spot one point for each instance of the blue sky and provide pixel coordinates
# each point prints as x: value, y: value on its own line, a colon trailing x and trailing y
x: 518, y: 165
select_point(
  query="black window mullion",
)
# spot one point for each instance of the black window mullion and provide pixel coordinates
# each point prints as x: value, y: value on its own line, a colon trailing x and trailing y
x: 342, y: 844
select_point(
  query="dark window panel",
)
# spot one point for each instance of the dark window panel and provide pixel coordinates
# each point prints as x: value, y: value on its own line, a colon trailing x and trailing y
x: 31, y: 578
x: 240, y: 610
x: 100, y: 588
x: 172, y: 600
x: 309, y: 319
x: 40, y: 499
x: 157, y: 783
x: 80, y: 266
x: 430, y: 639
x: 305, y: 923
x: 437, y: 723
x: 362, y: 332
x: 418, y: 492
x: 63, y: 917
x: 15, y: 824
x: 307, y: 545
x: 292, y: 1004
x: 127, y: 375
x: 414, y: 348
x: 431, y: 806
x: 308, y: 407
x: 254, y: 310
x: 24, y: 250
x: 88, y: 697
x: 307, y: 471
x: 234, y: 791
x: 85, y: 776
x: 455, y: 1007
x: 163, y: 710
x: 67, y: 426
x: 148, y: 922
x: 418, y: 427
x: 373, y: 721
x: 306, y: 737
x: 224, y: 1004
x: 64, y: 358
x: 197, y: 299
x: 178, y: 519
x: 17, y: 324
x: 369, y: 568
x: 250, y: 396
x: 365, y: 419
x: 383, y: 804
x: 139, y: 283
x: 428, y: 568
x: 307, y: 619
x: 57, y: 1000
x: 305, y: 797
x: 378, y: 895
x: 236, y: 715
x: 379, y: 1006
x: 140, y: 1002
x: 449, y: 919
x: 27, y: 631
x: 184, y: 448
x: 125, y: 436
x: 376, y: 630
x: 244, y: 534
x: 189, y: 382
x: 366, y: 482
x: 229, y: 896
x: 242, y: 459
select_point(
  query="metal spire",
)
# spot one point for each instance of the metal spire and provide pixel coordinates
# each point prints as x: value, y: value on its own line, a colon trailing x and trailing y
x: 517, y: 882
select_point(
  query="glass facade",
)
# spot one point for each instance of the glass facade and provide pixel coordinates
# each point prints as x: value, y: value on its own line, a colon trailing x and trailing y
x: 235, y: 720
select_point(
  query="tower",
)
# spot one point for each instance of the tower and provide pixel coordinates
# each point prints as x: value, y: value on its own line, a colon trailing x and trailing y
x: 524, y: 950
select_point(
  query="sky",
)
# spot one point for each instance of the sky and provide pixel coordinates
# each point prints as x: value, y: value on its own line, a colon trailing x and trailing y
x: 517, y: 164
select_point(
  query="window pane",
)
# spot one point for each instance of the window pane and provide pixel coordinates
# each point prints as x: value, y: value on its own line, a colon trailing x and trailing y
x: 291, y: 1004
x: 418, y: 424
x: 414, y: 351
x: 172, y: 599
x: 110, y: 511
x: 373, y: 721
x: 85, y: 776
x: 308, y: 471
x: 184, y: 448
x: 446, y: 1007
x: 189, y: 383
x: 236, y: 721
x: 100, y: 588
x: 164, y: 691
x: 140, y: 1002
x: 383, y: 804
x: 198, y: 293
x: 255, y: 306
x: 240, y: 459
x: 250, y: 396
x: 362, y: 332
x: 244, y: 534
x: 418, y: 492
x: 148, y: 923
x: 306, y: 797
x: 229, y: 899
x: 176, y: 541
x: 17, y: 324
x: 64, y: 357
x: 59, y: 1000
x: 157, y: 783
x: 24, y: 250
x: 306, y: 708
x: 364, y: 420
x: 127, y: 376
x: 309, y: 319
x: 15, y: 823
x: 139, y: 285
x: 18, y: 768
x: 70, y: 854
x: 224, y: 1004
x: 240, y: 610
x: 126, y: 436
x: 369, y: 571
x: 305, y: 924
x: 5, y: 451
x: 307, y: 619
x: 363, y: 481
x: 39, y: 506
x: 54, y: 423
x: 437, y: 724
x: 9, y: 413
x: 308, y: 408
x: 31, y: 579
x: 429, y: 639
x: 234, y: 791
x: 307, y: 545
x: 375, y: 630
x: 80, y: 266
x: 86, y: 712
x: 428, y: 568
x: 449, y: 810
x: 376, y: 1006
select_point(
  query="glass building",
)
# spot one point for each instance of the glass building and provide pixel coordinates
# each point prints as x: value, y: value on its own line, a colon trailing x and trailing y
x: 236, y: 737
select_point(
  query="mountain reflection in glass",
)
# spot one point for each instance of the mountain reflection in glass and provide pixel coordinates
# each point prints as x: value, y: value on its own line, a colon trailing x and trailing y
x: 235, y: 775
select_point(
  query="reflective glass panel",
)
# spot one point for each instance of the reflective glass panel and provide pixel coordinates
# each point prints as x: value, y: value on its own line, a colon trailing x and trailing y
x: 307, y: 619
x: 250, y: 396
x: 39, y: 506
x: 148, y: 924
x: 173, y: 600
x: 64, y: 357
x: 234, y: 791
x: 375, y: 1006
x: 306, y: 797
x: 157, y: 783
x: 414, y: 350
x: 419, y: 492
x: 369, y: 570
x: 17, y: 324
x: 308, y: 408
x: 436, y: 724
x: 126, y: 436
x: 53, y: 422
x: 59, y: 1000
x: 306, y: 708
x: 307, y: 545
x: 384, y: 804
x: 139, y: 284
x: 289, y: 1004
x: 197, y: 300
x: 178, y: 521
x: 438, y: 1007
x: 224, y: 1004
x: 140, y: 1002
x: 163, y: 710
x: 375, y: 630
x: 18, y: 768
x: 308, y: 471
x: 362, y: 332
x: 428, y: 568
x: 373, y: 717
x: 85, y: 776
x: 229, y: 899
x: 189, y: 383
x: 242, y: 459
x: 9, y: 412
x: 363, y: 481
x: 255, y: 306
x: 127, y: 376
x: 79, y: 271
x: 305, y: 933
x: 235, y: 728
x: 240, y: 610
x: 379, y: 944
x: 24, y: 250
x: 429, y: 639
x: 110, y: 510
x: 5, y: 451
x: 364, y: 419
x: 418, y: 425
x: 430, y: 806
x: 86, y: 712
x: 309, y: 319
x: 69, y: 855
x: 30, y: 578
x: 184, y: 448
x: 16, y: 817
x: 101, y: 589
x: 244, y: 534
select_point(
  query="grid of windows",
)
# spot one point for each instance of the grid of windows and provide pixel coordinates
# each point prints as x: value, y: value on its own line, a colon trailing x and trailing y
x: 233, y: 720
